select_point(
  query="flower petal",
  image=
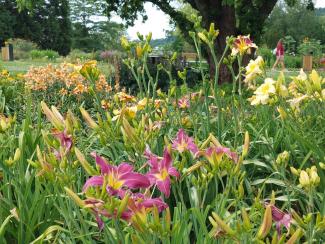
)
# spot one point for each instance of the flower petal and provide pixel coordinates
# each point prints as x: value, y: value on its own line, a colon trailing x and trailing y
x: 124, y: 168
x: 105, y: 167
x: 93, y: 181
x: 164, y: 186
x: 167, y: 160
x: 135, y: 180
x: 173, y: 171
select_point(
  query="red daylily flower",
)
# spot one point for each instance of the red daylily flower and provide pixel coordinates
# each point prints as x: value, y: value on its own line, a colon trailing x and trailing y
x: 160, y: 171
x: 116, y: 177
x: 183, y: 142
x: 242, y: 44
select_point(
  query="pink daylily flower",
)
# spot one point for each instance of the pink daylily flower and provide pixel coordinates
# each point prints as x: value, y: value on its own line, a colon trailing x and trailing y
x: 116, y: 177
x: 281, y: 218
x: 160, y: 171
x: 184, y: 103
x: 183, y: 142
x: 65, y: 142
x: 217, y: 153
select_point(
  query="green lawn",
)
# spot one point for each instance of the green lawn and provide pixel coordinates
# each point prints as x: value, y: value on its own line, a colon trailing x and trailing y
x: 23, y: 65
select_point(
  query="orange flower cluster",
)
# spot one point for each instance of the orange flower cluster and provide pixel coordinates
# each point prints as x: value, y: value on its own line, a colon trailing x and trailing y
x: 68, y: 77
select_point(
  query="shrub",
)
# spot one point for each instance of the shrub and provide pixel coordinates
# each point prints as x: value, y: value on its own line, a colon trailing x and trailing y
x: 44, y: 54
x: 293, y: 62
x: 310, y: 47
x: 77, y: 54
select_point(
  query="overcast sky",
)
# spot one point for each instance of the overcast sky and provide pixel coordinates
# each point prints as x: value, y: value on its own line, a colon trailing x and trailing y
x: 158, y: 22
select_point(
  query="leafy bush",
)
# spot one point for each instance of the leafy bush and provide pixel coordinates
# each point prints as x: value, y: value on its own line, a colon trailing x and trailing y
x: 22, y: 48
x: 44, y: 54
x: 289, y: 44
x: 293, y: 62
x: 77, y: 54
x: 310, y: 47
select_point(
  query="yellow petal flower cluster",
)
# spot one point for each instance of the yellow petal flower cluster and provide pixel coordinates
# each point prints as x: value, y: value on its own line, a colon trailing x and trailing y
x: 254, y: 69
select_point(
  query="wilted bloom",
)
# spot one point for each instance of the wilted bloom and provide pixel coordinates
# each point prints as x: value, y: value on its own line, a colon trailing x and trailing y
x: 183, y: 142
x: 160, y: 171
x: 241, y: 45
x: 280, y: 218
x: 64, y: 138
x: 116, y: 177
x: 184, y: 103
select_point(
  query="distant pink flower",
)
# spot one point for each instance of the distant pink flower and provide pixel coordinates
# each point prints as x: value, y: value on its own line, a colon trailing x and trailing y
x: 65, y: 142
x: 116, y: 177
x: 281, y: 218
x: 183, y: 103
x: 160, y: 171
x: 183, y: 142
x: 217, y: 153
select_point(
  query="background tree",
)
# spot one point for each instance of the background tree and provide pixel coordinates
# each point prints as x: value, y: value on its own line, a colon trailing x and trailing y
x: 46, y: 23
x: 91, y: 29
x: 232, y: 17
x: 298, y: 22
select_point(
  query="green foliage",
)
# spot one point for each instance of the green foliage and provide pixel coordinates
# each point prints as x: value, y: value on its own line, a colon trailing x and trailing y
x: 289, y: 44
x: 297, y: 22
x: 310, y: 47
x: 267, y: 55
x: 44, y: 54
x: 46, y: 24
x: 294, y: 62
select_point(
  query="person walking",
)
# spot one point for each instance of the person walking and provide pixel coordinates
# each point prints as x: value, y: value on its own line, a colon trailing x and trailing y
x: 279, y: 55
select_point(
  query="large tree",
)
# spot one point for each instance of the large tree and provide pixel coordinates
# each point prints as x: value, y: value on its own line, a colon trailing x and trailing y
x: 232, y: 17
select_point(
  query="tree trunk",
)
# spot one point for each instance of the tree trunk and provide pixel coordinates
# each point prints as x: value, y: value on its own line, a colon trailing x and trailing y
x: 224, y: 18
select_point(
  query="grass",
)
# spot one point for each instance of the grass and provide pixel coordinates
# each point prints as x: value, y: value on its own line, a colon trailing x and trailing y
x: 22, y: 66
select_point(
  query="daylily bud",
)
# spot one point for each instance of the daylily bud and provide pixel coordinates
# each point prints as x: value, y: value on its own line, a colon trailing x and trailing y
x: 322, y: 165
x: 17, y: 155
x: 294, y: 171
x: 314, y: 178
x: 246, y: 222
x: 139, y: 51
x: 283, y: 158
x: 149, y: 36
x: 125, y: 43
x: 88, y: 119
x: 223, y: 225
x: 266, y: 224
x: 246, y: 145
x: 54, y: 119
x: 304, y: 179
x: 295, y: 237
x: 203, y: 37
x: 87, y: 167
x: 75, y: 197
x: 167, y: 219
